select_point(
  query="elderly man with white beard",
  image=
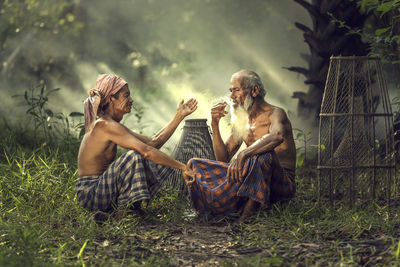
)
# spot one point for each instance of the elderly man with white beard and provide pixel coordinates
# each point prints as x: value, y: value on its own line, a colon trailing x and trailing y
x: 261, y: 174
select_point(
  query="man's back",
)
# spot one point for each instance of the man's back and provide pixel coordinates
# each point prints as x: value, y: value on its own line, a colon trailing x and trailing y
x: 95, y: 152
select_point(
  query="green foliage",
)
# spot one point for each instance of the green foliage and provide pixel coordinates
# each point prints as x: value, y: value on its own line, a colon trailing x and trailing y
x: 170, y: 205
x: 31, y: 32
x: 50, y: 127
x: 37, y: 109
x: 43, y: 15
x: 380, y: 6
x: 382, y: 29
x: 302, y: 152
x: 35, y: 197
x: 42, y: 223
x: 286, y: 228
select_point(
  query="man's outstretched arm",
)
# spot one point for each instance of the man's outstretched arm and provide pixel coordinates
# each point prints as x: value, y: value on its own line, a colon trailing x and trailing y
x: 120, y: 135
x: 183, y: 110
x: 159, y: 139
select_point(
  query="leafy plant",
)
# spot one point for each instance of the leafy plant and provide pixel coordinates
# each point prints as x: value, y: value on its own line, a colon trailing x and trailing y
x: 301, y: 152
x: 37, y: 108
x: 381, y: 30
x: 49, y: 126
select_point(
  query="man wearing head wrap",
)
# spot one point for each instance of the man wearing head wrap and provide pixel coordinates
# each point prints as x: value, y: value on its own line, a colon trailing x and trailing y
x: 261, y: 174
x: 110, y: 185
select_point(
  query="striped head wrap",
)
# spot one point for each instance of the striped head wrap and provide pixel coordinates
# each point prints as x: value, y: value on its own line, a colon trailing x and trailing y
x: 106, y: 86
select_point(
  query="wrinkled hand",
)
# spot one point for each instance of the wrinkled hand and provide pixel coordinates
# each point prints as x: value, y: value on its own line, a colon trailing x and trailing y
x: 185, y: 109
x: 189, y: 175
x: 235, y: 169
x: 218, y: 111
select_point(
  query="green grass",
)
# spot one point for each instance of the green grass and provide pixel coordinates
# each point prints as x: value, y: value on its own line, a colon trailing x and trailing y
x: 42, y: 224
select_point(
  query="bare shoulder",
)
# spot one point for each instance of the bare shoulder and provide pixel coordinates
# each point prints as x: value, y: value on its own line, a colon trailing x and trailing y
x: 280, y: 121
x: 102, y: 130
x: 279, y: 118
x: 276, y: 113
x: 279, y: 113
x: 105, y: 123
x: 106, y: 126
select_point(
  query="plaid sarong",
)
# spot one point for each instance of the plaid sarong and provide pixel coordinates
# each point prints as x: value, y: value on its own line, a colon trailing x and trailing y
x: 129, y: 179
x: 211, y: 193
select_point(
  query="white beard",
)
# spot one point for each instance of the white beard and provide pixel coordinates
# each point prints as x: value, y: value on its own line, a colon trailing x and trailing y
x: 240, y: 118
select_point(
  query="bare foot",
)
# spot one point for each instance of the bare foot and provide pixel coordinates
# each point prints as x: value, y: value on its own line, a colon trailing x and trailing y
x: 100, y: 216
x: 119, y: 214
x: 249, y: 208
x: 136, y: 208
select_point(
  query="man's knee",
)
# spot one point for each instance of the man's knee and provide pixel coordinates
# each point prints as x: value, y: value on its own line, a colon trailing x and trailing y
x: 129, y: 159
x: 270, y: 157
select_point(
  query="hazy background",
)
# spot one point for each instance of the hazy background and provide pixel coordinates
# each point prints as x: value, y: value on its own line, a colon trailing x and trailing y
x: 167, y: 51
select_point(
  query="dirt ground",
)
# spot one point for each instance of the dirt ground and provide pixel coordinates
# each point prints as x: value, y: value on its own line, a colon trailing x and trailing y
x: 205, y: 244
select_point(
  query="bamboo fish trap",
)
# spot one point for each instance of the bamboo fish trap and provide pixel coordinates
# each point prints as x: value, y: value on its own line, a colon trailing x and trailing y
x: 355, y: 151
x: 195, y: 142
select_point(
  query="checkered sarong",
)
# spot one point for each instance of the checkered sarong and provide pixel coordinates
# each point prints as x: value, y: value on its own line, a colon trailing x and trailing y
x: 211, y: 193
x: 129, y: 179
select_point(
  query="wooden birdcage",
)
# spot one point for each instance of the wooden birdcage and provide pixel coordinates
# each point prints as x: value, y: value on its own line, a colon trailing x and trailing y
x: 355, y: 151
x: 195, y: 142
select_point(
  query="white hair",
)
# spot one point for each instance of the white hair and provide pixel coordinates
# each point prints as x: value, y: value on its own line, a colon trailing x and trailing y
x: 250, y: 79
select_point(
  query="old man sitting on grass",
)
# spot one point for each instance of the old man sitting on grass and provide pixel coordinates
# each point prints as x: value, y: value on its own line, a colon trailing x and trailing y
x: 261, y: 174
x: 110, y: 185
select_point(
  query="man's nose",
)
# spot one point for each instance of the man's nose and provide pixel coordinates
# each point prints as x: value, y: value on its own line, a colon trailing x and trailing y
x: 130, y: 100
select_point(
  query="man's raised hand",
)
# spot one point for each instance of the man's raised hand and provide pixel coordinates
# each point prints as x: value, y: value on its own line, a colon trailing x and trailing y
x: 218, y: 111
x: 185, y: 109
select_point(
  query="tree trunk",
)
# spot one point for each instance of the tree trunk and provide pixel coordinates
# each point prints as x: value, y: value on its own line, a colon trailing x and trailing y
x: 326, y: 39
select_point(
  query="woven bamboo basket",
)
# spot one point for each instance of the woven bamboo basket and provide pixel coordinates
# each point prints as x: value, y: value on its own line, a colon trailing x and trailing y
x: 355, y: 152
x: 195, y: 142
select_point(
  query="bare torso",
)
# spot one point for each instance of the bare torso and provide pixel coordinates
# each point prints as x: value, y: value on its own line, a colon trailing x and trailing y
x: 96, y: 153
x: 98, y: 148
x: 260, y: 126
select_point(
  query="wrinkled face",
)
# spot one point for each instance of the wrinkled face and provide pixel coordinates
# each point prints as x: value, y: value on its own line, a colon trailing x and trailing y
x: 124, y: 101
x: 238, y: 93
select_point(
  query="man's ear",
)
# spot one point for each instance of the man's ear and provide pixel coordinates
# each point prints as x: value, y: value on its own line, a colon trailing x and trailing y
x: 255, y: 91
